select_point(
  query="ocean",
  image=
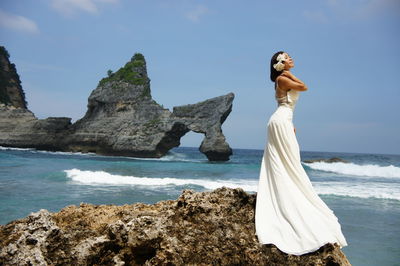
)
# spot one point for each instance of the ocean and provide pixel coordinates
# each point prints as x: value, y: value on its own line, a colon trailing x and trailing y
x: 364, y: 194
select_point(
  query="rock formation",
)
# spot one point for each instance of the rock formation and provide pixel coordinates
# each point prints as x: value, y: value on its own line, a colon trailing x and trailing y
x: 122, y: 119
x: 199, y: 228
x: 11, y: 92
x: 330, y: 160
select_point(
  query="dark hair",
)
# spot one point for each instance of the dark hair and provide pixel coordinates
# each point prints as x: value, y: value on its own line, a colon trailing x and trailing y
x: 275, y: 73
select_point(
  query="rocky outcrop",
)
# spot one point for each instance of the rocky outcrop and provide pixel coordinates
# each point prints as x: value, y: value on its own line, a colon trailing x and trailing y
x: 11, y: 92
x: 123, y: 119
x: 20, y: 128
x: 199, y: 228
x: 330, y: 160
x: 207, y: 118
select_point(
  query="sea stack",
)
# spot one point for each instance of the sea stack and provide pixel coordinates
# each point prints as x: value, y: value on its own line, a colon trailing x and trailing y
x: 121, y: 119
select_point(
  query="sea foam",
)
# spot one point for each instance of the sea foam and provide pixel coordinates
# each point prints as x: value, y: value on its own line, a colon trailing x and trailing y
x: 2, y: 148
x: 104, y: 178
x: 170, y: 156
x: 367, y: 170
x: 361, y: 190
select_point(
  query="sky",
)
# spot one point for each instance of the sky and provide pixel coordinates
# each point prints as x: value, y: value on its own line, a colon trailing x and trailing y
x: 346, y: 51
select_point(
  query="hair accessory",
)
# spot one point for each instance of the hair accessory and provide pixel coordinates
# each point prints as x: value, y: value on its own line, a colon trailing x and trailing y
x: 280, y: 65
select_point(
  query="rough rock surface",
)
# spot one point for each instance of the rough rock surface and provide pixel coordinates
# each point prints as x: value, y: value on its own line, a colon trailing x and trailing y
x: 122, y: 119
x: 330, y: 160
x: 11, y: 92
x: 199, y: 228
x: 207, y: 118
x: 20, y: 128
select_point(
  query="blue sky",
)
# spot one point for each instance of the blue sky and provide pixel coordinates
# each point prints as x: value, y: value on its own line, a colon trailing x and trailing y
x: 347, y: 52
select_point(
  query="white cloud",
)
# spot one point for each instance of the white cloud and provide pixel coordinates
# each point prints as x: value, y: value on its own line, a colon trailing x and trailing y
x: 19, y: 23
x: 70, y: 7
x: 195, y: 14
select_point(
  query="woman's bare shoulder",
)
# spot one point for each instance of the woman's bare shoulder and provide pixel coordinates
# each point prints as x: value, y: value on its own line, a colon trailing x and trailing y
x: 286, y: 83
x: 282, y: 82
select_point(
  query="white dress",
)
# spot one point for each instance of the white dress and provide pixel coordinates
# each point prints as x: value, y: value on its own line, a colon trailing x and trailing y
x: 289, y: 213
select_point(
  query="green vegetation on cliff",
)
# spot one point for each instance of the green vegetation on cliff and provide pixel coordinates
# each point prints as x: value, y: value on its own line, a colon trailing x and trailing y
x: 130, y: 73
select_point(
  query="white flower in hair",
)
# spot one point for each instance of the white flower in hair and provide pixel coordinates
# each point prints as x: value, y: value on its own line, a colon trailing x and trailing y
x: 280, y: 65
x: 281, y: 57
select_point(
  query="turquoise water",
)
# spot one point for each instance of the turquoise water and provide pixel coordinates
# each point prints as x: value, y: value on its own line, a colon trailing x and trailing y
x: 364, y: 194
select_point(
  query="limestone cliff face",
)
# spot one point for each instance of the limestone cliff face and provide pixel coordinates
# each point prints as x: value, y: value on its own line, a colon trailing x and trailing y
x: 199, y: 228
x: 123, y: 119
x: 207, y: 118
x: 11, y: 92
x: 20, y: 128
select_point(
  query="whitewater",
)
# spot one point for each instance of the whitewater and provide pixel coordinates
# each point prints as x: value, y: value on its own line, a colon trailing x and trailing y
x: 341, y: 188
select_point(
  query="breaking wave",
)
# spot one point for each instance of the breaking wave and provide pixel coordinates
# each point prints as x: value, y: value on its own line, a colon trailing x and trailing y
x: 367, y: 170
x: 104, y: 178
x: 362, y: 190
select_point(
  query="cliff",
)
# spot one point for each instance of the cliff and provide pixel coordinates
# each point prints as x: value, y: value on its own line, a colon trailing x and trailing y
x: 199, y: 228
x: 11, y: 92
x: 122, y: 119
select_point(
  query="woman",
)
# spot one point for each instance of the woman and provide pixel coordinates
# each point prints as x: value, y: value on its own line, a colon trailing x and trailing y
x: 289, y: 213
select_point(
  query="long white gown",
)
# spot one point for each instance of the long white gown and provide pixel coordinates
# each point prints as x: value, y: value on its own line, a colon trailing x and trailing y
x: 289, y: 213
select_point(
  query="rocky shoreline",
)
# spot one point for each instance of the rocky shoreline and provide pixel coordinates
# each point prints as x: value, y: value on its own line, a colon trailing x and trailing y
x: 199, y: 228
x: 122, y: 118
x: 329, y: 160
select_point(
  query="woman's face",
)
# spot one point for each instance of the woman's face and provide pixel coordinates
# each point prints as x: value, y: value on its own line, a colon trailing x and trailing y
x: 288, y: 62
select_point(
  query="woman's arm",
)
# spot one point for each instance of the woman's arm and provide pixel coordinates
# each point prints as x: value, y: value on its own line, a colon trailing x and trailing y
x: 291, y: 76
x: 288, y: 81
